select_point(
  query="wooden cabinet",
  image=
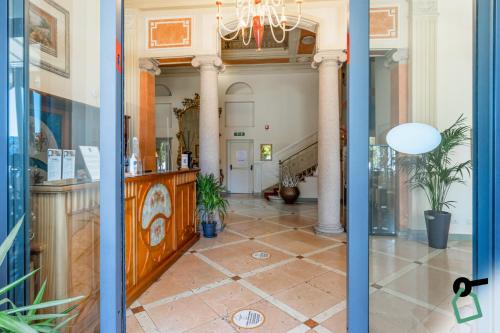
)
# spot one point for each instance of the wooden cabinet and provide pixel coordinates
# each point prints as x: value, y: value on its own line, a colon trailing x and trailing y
x: 160, y: 225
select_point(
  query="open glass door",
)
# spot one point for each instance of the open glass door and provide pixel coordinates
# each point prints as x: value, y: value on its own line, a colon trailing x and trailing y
x: 53, y: 53
x: 421, y: 71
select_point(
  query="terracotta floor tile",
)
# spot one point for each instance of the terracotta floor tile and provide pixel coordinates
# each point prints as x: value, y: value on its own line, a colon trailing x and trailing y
x: 236, y: 218
x: 228, y: 298
x: 392, y: 314
x: 453, y: 260
x: 337, y: 323
x: 223, y: 237
x: 381, y: 266
x: 307, y: 299
x: 181, y: 315
x: 167, y: 286
x: 133, y: 325
x: 332, y: 283
x: 425, y: 284
x: 193, y: 272
x: 410, y: 250
x: 263, y: 212
x: 238, y: 258
x: 294, y: 221
x: 276, y: 321
x: 274, y: 281
x: 216, y: 326
x: 298, y: 242
x: 256, y: 228
x: 334, y: 258
x: 437, y: 323
x: 302, y: 270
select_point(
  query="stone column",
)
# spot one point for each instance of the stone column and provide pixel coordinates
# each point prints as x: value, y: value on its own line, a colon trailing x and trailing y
x: 209, y: 67
x: 329, y: 181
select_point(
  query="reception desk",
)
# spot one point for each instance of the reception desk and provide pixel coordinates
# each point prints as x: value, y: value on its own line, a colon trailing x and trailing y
x: 160, y: 225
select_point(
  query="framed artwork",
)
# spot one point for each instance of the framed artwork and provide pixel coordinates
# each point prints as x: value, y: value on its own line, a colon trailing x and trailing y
x: 266, y: 152
x: 49, y: 37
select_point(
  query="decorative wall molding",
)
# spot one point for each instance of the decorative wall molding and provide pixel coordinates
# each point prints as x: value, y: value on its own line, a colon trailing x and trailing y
x: 166, y: 33
x: 384, y: 22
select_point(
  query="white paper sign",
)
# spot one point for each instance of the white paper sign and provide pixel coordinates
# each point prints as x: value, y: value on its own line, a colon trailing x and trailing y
x: 92, y: 161
x: 241, y: 156
x: 68, y: 164
x: 54, y: 161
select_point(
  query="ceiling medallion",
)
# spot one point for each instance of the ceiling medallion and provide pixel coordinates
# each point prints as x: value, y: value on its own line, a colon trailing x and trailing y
x: 253, y: 15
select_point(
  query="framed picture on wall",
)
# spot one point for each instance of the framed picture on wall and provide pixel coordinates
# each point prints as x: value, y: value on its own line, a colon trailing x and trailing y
x: 266, y: 152
x: 49, y: 37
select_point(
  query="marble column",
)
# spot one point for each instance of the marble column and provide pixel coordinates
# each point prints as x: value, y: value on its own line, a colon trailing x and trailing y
x: 329, y: 180
x: 423, y: 50
x: 209, y: 67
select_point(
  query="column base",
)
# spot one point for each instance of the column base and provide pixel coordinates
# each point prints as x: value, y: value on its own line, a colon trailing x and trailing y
x: 329, y: 230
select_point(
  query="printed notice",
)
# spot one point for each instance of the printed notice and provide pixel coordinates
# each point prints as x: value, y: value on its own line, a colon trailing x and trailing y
x: 241, y: 156
x: 92, y: 161
x: 54, y: 159
x: 68, y: 168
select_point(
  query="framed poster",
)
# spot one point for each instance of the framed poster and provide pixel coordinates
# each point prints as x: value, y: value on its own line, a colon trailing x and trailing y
x: 49, y: 36
x: 266, y: 152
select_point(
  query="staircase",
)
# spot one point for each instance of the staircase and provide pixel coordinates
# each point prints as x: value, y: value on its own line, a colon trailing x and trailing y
x: 303, y: 166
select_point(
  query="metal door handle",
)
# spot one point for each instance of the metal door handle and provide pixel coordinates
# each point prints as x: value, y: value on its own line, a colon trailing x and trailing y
x: 230, y: 167
x: 251, y: 167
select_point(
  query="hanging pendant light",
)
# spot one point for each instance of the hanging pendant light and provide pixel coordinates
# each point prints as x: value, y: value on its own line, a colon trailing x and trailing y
x: 255, y: 15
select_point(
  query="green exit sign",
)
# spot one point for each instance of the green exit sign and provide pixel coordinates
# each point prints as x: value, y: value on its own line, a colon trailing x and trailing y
x: 239, y: 133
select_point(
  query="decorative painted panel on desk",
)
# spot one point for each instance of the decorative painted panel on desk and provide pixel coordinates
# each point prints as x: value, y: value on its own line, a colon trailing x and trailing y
x: 155, y: 223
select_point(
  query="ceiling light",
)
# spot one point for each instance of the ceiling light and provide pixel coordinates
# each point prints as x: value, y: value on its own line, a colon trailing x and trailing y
x: 255, y: 14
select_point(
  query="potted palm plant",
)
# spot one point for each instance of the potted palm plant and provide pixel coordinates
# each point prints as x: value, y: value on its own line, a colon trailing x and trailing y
x: 28, y: 319
x: 211, y: 205
x: 434, y: 173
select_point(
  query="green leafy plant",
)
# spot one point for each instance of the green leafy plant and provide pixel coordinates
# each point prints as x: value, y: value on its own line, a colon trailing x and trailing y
x: 435, y: 172
x: 210, y: 202
x: 27, y: 319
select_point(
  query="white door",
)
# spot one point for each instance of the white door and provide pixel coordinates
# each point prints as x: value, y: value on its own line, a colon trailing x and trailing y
x: 240, y: 166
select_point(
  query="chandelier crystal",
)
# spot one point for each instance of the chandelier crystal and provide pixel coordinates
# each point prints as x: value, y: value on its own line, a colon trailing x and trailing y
x: 254, y: 15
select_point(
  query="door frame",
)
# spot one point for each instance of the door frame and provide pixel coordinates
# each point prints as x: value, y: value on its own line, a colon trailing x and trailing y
x: 112, y: 249
x: 228, y: 161
x: 486, y: 163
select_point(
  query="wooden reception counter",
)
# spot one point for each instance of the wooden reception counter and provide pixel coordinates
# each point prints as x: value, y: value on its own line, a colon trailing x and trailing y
x: 160, y: 225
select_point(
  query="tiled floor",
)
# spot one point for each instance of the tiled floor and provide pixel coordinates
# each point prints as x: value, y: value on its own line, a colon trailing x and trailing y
x: 301, y: 287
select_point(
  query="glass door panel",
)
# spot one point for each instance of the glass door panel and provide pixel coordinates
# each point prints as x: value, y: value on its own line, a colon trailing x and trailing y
x: 421, y: 68
x: 63, y: 151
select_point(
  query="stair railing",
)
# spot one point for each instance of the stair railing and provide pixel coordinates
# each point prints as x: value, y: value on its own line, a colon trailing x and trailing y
x: 301, y: 164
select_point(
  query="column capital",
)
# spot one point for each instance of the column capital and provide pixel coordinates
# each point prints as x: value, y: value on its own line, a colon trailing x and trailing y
x: 396, y: 56
x: 208, y: 62
x: 425, y: 7
x: 336, y: 57
x: 150, y: 65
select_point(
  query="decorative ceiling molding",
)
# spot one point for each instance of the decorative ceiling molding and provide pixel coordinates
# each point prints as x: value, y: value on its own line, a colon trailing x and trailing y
x: 396, y: 56
x: 149, y: 65
x: 384, y: 22
x: 425, y: 7
x: 164, y: 33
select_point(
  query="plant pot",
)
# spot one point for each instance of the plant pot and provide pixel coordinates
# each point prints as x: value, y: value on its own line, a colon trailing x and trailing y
x: 438, y: 228
x: 289, y: 194
x: 209, y: 230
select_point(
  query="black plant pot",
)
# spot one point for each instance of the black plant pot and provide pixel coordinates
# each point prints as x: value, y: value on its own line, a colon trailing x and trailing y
x: 438, y: 228
x: 209, y: 230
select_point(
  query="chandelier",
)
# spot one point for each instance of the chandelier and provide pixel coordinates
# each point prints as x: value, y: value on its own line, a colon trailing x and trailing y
x: 253, y: 15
